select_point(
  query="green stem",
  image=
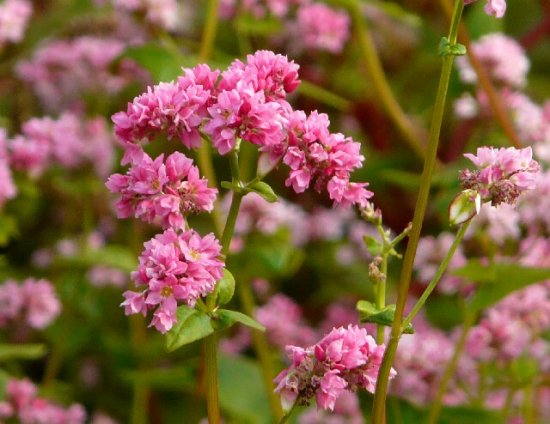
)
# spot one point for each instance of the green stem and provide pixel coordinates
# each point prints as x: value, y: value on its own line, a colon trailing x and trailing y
x: 381, y: 297
x: 442, y: 268
x: 414, y: 236
x: 210, y: 29
x: 210, y: 343
x: 450, y: 368
x: 262, y: 350
x: 211, y: 357
x: 289, y: 413
x: 323, y: 95
x: 140, y: 398
x: 412, y: 135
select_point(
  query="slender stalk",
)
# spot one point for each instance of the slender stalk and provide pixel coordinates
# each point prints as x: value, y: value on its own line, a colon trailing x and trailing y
x: 442, y: 268
x: 210, y: 29
x: 262, y: 350
x: 210, y: 342
x: 141, y: 392
x: 211, y: 357
x: 323, y: 95
x: 495, y: 101
x: 418, y: 218
x: 412, y: 134
x: 381, y: 297
x: 450, y: 369
x: 289, y: 413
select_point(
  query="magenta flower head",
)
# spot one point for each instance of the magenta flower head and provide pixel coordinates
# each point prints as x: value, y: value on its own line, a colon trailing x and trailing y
x: 162, y: 192
x: 174, y: 267
x: 502, y: 174
x: 344, y: 360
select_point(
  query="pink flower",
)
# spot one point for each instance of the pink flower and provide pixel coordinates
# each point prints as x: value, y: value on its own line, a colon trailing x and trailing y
x: 321, y: 27
x: 502, y: 175
x: 23, y: 405
x: 14, y: 17
x: 495, y: 8
x: 174, y: 267
x: 163, y: 192
x: 503, y: 57
x: 345, y: 359
x: 41, y: 302
x: 177, y: 108
x: 315, y: 156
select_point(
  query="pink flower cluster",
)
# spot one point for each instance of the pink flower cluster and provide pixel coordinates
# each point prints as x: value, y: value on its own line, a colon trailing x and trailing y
x: 34, y: 301
x: 502, y: 174
x: 8, y: 190
x: 315, y: 156
x: 67, y: 141
x: 503, y: 57
x: 344, y: 360
x: 309, y: 24
x: 318, y: 26
x: 495, y: 8
x: 163, y: 192
x: 62, y: 71
x: 23, y: 404
x: 247, y: 103
x: 14, y: 17
x: 176, y: 108
x: 174, y: 267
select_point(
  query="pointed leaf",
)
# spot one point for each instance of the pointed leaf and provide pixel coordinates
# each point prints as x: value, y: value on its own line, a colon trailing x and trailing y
x: 508, y: 278
x: 264, y: 190
x: 226, y: 318
x: 226, y: 287
x: 369, y: 312
x: 373, y: 245
x: 192, y: 325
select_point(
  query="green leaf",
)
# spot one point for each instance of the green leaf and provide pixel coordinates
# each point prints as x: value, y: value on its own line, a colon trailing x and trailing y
x: 508, y: 278
x: 264, y: 190
x: 369, y: 312
x: 163, y: 65
x: 242, y: 394
x: 226, y: 287
x: 464, y: 207
x: 226, y: 318
x: 229, y: 185
x: 474, y: 270
x: 192, y: 325
x: 22, y: 351
x: 373, y: 245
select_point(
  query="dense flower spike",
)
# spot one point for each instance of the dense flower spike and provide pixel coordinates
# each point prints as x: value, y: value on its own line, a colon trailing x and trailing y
x: 174, y: 267
x: 502, y: 175
x: 23, y: 404
x: 344, y: 360
x: 14, y: 17
x: 162, y: 192
x: 35, y: 301
x: 316, y: 156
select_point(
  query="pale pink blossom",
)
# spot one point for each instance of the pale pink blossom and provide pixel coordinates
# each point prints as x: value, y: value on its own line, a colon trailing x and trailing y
x: 162, y: 191
x: 14, y: 18
x: 344, y: 360
x: 174, y: 267
x: 321, y: 27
